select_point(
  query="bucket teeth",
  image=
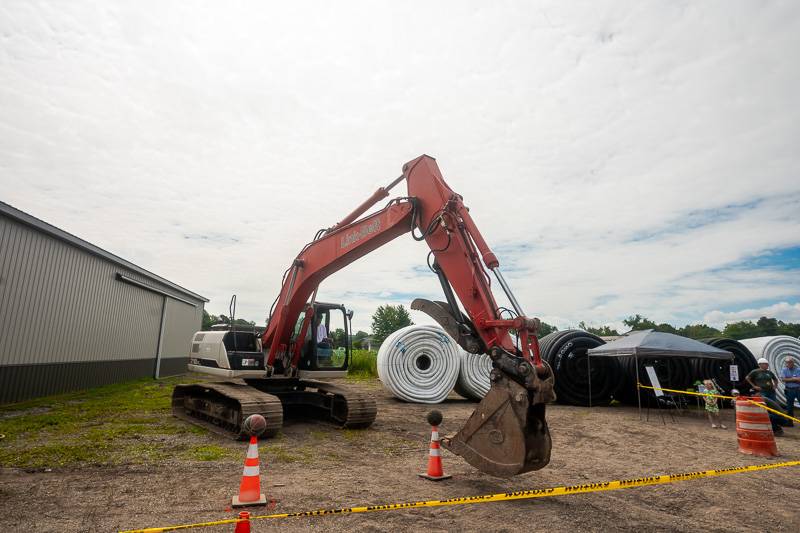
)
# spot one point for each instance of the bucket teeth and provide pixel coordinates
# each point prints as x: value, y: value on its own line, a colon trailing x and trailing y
x: 505, y: 435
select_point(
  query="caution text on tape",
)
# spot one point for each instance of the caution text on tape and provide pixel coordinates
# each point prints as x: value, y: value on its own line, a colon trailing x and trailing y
x: 503, y: 496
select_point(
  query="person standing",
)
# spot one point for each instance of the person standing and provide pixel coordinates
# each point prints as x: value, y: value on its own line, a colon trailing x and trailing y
x: 790, y: 375
x: 712, y: 405
x: 765, y: 382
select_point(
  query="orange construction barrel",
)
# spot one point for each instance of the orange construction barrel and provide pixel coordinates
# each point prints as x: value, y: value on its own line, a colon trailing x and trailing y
x: 753, y: 428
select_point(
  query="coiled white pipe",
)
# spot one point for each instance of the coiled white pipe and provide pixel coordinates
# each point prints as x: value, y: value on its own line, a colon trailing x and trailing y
x: 473, y: 375
x: 775, y: 350
x: 419, y: 364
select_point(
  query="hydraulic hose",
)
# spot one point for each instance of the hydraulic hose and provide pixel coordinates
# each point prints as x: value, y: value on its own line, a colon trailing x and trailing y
x: 775, y: 350
x: 565, y: 351
x: 473, y: 375
x: 719, y: 371
x: 419, y: 364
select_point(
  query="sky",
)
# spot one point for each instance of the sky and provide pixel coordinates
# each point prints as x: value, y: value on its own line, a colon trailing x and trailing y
x: 619, y: 157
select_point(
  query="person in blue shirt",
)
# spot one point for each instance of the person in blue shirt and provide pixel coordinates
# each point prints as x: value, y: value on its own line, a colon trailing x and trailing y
x: 790, y: 375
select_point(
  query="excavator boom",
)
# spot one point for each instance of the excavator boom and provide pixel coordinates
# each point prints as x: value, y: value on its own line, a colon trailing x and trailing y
x: 507, y: 434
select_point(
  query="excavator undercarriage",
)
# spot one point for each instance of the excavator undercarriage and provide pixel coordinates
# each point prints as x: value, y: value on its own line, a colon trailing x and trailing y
x: 222, y: 407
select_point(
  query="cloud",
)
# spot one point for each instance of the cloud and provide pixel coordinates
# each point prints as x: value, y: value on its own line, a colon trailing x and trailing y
x: 620, y: 158
x: 782, y: 310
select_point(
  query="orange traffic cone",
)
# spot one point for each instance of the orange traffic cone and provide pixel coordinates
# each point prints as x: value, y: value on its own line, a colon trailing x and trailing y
x: 250, y: 487
x: 244, y: 525
x: 435, y: 472
x: 753, y: 428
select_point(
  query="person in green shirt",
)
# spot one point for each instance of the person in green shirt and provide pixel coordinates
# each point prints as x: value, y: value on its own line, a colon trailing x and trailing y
x: 765, y: 382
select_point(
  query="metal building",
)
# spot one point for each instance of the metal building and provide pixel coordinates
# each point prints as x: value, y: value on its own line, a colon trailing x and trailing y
x: 73, y: 315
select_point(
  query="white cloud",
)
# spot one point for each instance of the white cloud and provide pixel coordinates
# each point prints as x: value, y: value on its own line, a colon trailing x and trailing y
x: 208, y: 143
x: 782, y: 310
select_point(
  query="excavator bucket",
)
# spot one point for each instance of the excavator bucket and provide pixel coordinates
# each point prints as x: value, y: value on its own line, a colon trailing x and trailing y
x: 507, y: 433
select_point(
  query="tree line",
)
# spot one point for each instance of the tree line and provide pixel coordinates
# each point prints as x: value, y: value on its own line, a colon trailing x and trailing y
x: 744, y: 329
x: 210, y: 320
x: 389, y: 318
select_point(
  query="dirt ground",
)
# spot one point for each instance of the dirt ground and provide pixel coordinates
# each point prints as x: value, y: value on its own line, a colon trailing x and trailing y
x: 339, y: 468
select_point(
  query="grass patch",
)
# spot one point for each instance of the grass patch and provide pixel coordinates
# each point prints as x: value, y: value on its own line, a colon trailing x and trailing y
x: 210, y: 452
x: 55, y: 454
x: 114, y: 424
x: 279, y: 453
x: 318, y: 434
x: 363, y: 364
x: 138, y: 400
x: 353, y: 435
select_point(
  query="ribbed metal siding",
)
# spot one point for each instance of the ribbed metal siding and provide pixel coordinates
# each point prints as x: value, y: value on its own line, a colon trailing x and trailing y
x: 60, y: 304
x: 181, y: 323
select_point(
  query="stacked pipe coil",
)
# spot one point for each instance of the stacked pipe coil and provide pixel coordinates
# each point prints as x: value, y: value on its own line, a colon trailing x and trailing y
x: 473, y: 375
x: 672, y: 372
x: 565, y: 351
x: 419, y: 364
x: 719, y: 371
x: 775, y: 350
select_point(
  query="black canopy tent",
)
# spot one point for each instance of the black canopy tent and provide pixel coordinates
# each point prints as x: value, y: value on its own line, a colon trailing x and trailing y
x: 650, y: 344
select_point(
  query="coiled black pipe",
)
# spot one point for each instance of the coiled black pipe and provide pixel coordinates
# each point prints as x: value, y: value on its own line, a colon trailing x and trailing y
x: 672, y: 372
x: 565, y: 351
x: 719, y: 371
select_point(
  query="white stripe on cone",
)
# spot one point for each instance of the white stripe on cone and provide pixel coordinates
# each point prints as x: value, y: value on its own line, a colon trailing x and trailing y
x: 251, y: 471
x: 434, y: 436
x: 760, y: 427
x: 435, y: 452
x: 252, y: 451
x: 750, y: 409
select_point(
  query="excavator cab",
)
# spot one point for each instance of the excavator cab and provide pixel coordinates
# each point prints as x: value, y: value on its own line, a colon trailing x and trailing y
x: 327, y: 343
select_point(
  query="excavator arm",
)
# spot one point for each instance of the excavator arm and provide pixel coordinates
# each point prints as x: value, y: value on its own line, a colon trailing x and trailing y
x: 507, y: 434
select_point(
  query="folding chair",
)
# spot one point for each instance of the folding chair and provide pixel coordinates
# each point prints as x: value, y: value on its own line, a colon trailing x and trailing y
x: 663, y: 400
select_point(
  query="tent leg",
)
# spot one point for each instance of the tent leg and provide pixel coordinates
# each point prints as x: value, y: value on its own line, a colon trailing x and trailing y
x: 674, y: 398
x: 638, y: 389
x: 589, y: 374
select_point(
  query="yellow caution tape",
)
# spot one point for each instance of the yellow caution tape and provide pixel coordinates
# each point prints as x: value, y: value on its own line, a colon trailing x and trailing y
x: 503, y: 496
x: 759, y: 404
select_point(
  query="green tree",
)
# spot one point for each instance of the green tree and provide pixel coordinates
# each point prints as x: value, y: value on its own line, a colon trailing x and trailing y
x: 388, y: 319
x: 699, y: 331
x: 787, y: 328
x: 338, y: 338
x: 358, y: 338
x: 208, y: 320
x: 666, y: 328
x: 603, y: 331
x: 763, y: 327
x: 638, y: 322
x: 741, y: 330
x: 768, y: 326
x: 744, y: 329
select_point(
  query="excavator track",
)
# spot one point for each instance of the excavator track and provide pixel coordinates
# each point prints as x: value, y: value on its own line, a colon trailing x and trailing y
x: 222, y: 407
x: 322, y: 401
x: 352, y: 409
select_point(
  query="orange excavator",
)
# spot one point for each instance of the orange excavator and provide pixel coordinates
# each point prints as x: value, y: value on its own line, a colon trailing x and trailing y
x: 274, y: 373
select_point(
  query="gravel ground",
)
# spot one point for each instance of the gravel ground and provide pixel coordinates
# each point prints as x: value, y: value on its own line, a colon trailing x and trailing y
x: 327, y: 467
